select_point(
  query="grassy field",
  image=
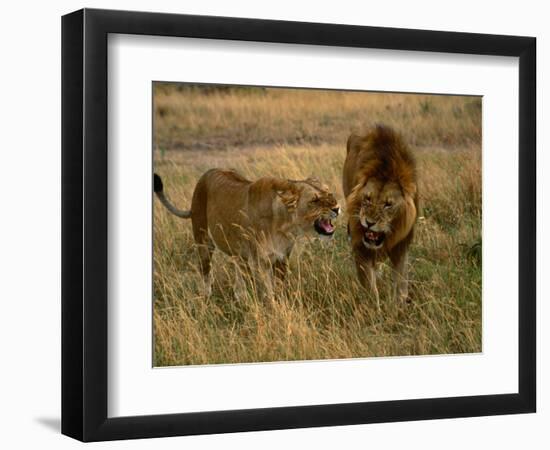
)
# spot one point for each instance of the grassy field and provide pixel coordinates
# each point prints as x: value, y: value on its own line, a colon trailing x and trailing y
x: 323, y: 313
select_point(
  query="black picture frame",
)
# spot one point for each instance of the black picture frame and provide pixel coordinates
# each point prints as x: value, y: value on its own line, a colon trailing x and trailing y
x: 84, y: 224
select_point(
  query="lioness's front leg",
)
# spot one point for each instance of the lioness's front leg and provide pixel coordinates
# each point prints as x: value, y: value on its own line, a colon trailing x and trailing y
x: 243, y: 276
x: 263, y: 277
x: 266, y: 284
x: 367, y: 276
x: 280, y: 269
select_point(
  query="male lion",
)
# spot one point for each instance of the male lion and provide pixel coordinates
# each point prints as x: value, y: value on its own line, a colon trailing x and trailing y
x: 257, y: 222
x: 380, y: 185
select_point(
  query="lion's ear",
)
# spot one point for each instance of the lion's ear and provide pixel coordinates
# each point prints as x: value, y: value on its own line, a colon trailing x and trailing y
x: 410, y: 189
x: 361, y: 183
x: 404, y: 222
x: 352, y: 141
x: 354, y: 197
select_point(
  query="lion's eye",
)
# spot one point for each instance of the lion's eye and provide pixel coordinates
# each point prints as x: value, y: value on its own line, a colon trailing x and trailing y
x: 388, y: 205
x: 314, y: 199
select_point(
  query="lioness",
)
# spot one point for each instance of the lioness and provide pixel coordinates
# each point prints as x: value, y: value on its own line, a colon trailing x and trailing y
x: 380, y: 185
x: 258, y: 222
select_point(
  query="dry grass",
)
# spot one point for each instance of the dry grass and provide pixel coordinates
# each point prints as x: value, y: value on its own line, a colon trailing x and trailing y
x: 322, y: 313
x: 188, y: 118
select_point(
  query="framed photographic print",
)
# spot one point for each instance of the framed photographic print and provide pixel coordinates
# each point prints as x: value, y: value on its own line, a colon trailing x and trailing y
x: 273, y: 224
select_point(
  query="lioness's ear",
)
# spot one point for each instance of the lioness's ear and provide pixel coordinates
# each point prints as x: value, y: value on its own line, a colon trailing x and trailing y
x: 289, y: 197
x: 314, y: 181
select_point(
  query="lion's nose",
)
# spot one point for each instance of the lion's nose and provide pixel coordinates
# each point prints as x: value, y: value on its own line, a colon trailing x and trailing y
x: 369, y: 224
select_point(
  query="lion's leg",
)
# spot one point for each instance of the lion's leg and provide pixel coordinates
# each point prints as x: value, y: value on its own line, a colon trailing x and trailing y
x: 400, y: 281
x: 400, y: 289
x: 367, y: 277
x: 372, y: 283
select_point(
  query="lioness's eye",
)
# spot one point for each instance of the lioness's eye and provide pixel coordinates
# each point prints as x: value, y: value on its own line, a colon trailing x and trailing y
x: 388, y: 205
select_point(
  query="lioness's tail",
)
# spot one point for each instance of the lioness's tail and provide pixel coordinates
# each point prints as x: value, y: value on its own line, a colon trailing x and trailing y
x: 159, y: 190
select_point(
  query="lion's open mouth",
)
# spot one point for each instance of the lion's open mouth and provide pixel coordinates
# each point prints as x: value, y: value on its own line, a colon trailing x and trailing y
x: 373, y: 238
x: 324, y: 227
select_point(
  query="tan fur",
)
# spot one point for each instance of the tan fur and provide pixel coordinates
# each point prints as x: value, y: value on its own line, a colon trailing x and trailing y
x: 380, y: 185
x: 257, y: 222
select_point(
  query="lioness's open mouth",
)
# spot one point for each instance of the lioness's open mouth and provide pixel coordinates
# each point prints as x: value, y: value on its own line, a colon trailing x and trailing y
x: 373, y: 238
x: 324, y: 227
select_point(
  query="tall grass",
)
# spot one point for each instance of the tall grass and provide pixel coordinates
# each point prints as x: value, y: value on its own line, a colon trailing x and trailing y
x: 321, y: 312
